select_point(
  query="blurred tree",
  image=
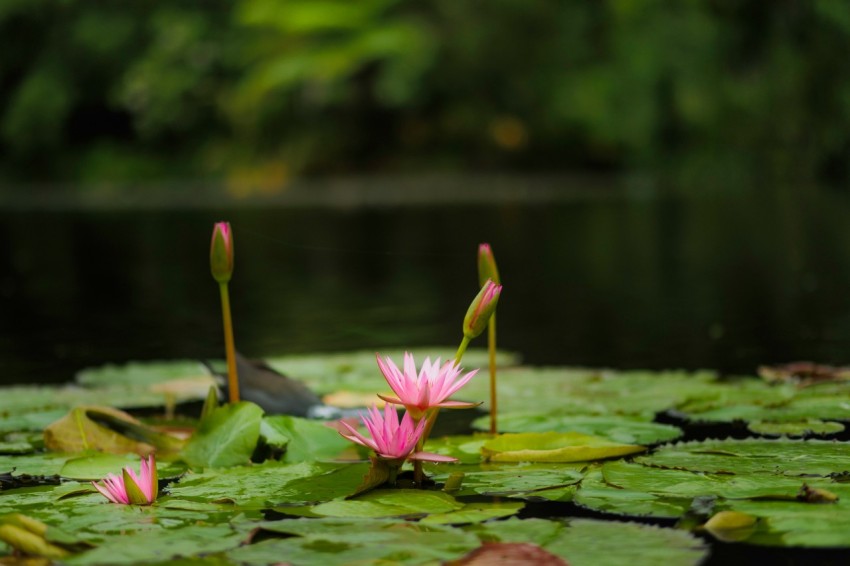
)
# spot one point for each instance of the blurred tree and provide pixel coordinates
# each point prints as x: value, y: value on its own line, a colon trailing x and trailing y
x: 254, y: 91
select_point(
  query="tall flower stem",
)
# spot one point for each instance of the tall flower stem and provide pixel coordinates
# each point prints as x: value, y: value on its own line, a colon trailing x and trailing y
x: 491, y: 351
x: 461, y: 350
x: 229, y: 344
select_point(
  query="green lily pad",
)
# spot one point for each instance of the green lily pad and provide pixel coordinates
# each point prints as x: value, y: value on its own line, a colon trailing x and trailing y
x: 475, y: 513
x: 594, y: 493
x: 306, y: 439
x: 512, y: 480
x: 783, y: 456
x: 390, y: 503
x: 347, y: 541
x: 97, y: 466
x: 247, y: 487
x: 160, y: 545
x: 624, y: 430
x: 553, y: 447
x: 797, y: 523
x: 227, y: 437
x: 802, y: 428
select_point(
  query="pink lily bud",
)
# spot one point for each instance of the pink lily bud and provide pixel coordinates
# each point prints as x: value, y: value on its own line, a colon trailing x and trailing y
x: 221, y: 252
x: 130, y: 488
x: 487, y: 265
x: 482, y: 307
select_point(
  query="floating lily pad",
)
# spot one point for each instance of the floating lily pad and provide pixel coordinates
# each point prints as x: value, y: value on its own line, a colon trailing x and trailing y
x: 160, y: 545
x: 594, y: 493
x: 617, y: 429
x: 511, y: 480
x: 390, y: 503
x: 347, y: 541
x: 783, y: 456
x: 306, y: 439
x: 553, y: 447
x: 227, y: 437
x: 475, y: 513
x: 255, y: 486
x: 812, y: 427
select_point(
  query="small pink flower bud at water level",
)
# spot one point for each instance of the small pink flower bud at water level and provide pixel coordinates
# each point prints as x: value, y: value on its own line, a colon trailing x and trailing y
x: 221, y: 252
x: 487, y: 265
x: 482, y: 308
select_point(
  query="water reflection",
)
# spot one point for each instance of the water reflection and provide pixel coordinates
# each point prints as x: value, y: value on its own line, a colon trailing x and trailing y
x: 726, y: 282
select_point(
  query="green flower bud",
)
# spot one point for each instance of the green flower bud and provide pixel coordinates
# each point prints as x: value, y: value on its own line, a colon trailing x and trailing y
x: 482, y: 307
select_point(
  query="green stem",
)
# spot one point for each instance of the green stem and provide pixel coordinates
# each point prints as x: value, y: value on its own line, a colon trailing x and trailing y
x: 229, y: 345
x: 491, y: 348
x: 461, y: 350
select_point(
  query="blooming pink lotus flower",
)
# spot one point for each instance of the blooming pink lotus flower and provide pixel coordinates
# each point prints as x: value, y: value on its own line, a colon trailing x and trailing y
x: 129, y: 488
x: 391, y: 439
x: 431, y: 388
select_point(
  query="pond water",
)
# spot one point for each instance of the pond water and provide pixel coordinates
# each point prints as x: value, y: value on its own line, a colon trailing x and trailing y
x: 601, y: 276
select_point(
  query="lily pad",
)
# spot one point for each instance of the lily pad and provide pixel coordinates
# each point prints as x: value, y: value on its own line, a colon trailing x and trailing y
x: 554, y: 447
x: 783, y: 457
x: 247, y: 487
x: 305, y: 439
x: 475, y: 513
x: 811, y: 427
x: 227, y: 437
x: 390, y: 503
x: 348, y: 541
x: 511, y: 480
x: 624, y: 430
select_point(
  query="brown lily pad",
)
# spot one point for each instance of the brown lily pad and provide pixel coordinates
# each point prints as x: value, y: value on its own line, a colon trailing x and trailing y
x: 509, y: 554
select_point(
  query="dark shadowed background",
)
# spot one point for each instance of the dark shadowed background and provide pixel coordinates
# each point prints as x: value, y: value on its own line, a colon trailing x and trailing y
x: 664, y: 184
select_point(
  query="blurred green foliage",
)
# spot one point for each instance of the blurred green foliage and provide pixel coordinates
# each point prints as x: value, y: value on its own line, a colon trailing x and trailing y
x: 255, y: 91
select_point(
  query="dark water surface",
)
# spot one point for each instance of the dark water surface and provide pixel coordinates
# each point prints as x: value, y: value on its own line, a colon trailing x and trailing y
x: 607, y: 279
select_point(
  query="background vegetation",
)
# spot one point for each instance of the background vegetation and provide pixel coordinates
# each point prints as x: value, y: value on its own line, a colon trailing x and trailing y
x: 254, y: 92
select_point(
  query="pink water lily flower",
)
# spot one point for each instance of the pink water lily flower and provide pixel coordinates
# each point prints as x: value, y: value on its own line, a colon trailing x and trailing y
x: 430, y: 388
x: 392, y: 439
x: 129, y: 488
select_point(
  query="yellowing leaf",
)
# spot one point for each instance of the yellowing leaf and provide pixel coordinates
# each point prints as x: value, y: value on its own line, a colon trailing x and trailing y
x: 106, y: 430
x: 553, y: 447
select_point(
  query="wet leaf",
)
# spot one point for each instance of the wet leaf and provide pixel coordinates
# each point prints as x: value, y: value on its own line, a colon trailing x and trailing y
x: 306, y: 439
x: 784, y: 457
x: 553, y: 447
x: 226, y: 438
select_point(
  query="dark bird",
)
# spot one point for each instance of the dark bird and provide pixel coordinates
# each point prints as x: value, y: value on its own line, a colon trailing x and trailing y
x: 275, y: 392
